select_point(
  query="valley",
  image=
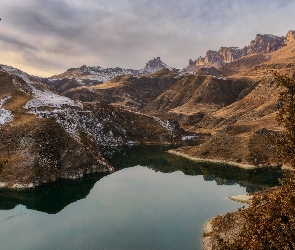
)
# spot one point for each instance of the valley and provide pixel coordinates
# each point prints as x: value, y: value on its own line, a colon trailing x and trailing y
x: 222, y: 104
x: 98, y: 121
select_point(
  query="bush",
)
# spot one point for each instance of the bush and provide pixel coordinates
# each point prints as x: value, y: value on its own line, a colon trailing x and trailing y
x: 3, y: 162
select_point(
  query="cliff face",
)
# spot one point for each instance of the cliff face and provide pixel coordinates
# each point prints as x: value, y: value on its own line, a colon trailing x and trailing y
x: 262, y: 44
x: 230, y: 54
x: 290, y: 38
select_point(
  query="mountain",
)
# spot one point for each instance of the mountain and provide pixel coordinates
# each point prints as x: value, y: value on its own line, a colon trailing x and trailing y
x: 155, y: 65
x: 43, y: 133
x: 129, y: 91
x: 229, y: 103
x: 262, y: 44
x: 89, y: 76
x: 245, y: 122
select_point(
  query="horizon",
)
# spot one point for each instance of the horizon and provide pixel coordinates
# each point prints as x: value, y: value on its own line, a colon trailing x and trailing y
x: 127, y: 34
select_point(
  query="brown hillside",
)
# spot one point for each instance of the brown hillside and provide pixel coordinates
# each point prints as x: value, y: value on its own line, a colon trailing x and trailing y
x: 127, y: 90
x: 237, y: 128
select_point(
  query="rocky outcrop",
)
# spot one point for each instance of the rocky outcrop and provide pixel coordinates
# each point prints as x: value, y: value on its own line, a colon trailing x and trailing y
x: 264, y: 44
x: 230, y: 54
x: 290, y: 38
x: 261, y: 44
x: 155, y: 65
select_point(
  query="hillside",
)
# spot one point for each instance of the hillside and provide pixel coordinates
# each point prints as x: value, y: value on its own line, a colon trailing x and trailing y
x: 43, y: 133
x: 44, y: 126
x: 127, y: 90
x: 247, y: 121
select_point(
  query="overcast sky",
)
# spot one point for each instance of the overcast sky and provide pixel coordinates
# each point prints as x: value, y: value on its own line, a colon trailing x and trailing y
x: 46, y: 37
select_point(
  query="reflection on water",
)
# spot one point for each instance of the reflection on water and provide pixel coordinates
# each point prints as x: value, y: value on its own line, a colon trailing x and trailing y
x: 154, y: 201
x: 52, y: 198
x: 156, y: 158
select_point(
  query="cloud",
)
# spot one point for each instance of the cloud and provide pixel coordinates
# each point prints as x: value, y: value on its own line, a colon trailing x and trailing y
x: 15, y: 43
x: 53, y: 35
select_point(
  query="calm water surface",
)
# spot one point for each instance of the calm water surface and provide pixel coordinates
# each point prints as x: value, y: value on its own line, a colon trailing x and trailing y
x: 154, y: 201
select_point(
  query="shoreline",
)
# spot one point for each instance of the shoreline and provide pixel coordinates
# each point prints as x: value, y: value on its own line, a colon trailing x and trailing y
x: 232, y: 163
x: 226, y: 226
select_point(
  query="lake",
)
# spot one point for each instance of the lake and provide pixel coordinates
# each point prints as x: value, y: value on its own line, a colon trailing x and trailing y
x: 154, y: 200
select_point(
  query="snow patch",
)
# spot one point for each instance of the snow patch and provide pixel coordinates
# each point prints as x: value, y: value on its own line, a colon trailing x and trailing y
x: 3, y: 184
x: 188, y: 137
x: 5, y: 115
x: 22, y: 186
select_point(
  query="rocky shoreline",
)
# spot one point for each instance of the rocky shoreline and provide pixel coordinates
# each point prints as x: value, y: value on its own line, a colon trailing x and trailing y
x: 227, y: 226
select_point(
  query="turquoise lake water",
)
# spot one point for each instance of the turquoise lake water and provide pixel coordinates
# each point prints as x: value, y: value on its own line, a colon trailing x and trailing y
x: 154, y: 201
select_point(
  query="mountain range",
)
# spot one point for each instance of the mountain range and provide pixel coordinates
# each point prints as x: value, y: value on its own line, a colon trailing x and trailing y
x: 262, y: 44
x: 227, y: 100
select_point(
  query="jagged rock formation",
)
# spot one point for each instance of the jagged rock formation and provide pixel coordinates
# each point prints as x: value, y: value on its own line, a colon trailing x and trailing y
x: 262, y: 44
x: 155, y: 65
x: 43, y: 133
x: 290, y: 37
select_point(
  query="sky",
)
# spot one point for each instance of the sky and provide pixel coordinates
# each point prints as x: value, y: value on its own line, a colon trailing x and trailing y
x: 46, y: 37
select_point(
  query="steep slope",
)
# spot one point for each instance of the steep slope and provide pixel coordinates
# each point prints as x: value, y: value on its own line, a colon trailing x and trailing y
x: 43, y: 134
x: 194, y: 96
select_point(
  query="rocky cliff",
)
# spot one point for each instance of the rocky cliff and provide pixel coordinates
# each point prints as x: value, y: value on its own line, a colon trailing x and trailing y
x: 290, y: 38
x: 262, y: 44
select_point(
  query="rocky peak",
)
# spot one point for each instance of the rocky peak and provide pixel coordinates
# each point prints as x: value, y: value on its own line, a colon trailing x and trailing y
x: 290, y: 37
x: 155, y: 64
x: 265, y: 44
